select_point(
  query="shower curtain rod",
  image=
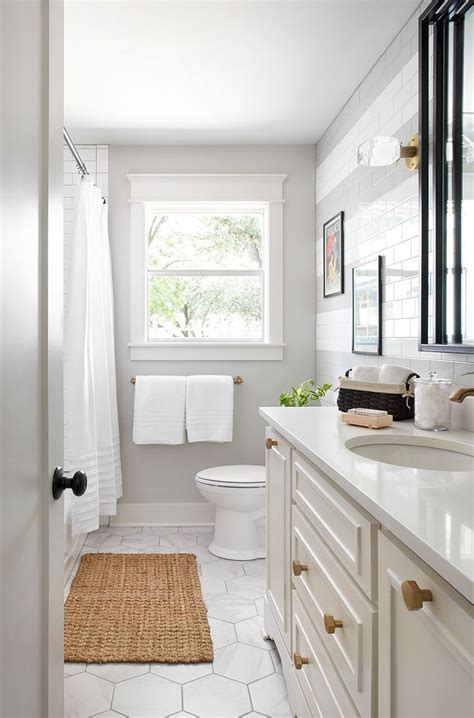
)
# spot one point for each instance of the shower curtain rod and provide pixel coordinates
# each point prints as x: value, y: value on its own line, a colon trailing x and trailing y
x: 77, y: 157
x: 83, y: 171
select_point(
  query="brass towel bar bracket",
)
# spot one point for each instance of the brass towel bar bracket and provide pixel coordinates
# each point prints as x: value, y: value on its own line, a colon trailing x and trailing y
x: 237, y: 380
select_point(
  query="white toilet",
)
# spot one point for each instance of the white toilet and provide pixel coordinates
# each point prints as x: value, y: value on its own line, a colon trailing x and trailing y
x: 238, y: 493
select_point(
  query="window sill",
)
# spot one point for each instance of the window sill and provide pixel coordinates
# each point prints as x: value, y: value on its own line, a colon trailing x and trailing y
x: 206, y: 351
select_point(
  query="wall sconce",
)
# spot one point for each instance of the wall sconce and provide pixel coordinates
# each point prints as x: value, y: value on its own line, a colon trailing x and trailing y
x: 384, y: 151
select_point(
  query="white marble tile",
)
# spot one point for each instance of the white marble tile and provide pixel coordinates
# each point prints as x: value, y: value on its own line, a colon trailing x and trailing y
x: 242, y: 663
x: 179, y: 540
x: 216, y: 697
x: 160, y: 530
x: 116, y: 672
x: 252, y: 632
x: 233, y: 593
x: 257, y: 568
x: 181, y: 672
x: 222, y: 632
x: 124, y: 530
x: 212, y: 587
x: 269, y: 696
x: 276, y: 659
x: 98, y: 540
x: 141, y: 540
x: 70, y: 669
x: 85, y: 695
x: 223, y: 569
x: 196, y: 530
x: 246, y: 586
x: 231, y: 608
x: 147, y: 696
x: 202, y: 554
x: 205, y: 539
x: 259, y: 604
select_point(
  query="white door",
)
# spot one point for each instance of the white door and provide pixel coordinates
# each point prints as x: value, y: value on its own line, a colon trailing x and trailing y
x: 31, y: 286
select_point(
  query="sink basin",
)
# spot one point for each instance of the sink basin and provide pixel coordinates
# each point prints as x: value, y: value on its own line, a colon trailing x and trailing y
x: 415, y: 452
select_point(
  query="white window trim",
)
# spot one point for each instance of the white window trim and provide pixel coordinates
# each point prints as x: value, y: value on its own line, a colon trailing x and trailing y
x: 262, y: 190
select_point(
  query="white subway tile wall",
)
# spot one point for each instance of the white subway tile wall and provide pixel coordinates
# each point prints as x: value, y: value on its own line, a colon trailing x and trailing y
x: 381, y: 211
x: 96, y: 159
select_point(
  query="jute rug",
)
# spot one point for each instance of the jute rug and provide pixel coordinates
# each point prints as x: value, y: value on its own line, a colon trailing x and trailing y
x: 136, y: 608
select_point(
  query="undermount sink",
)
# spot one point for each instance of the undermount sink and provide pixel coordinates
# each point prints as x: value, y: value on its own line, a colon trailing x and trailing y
x: 415, y: 452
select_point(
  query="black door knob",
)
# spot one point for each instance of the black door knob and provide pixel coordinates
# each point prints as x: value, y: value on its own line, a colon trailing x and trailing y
x: 78, y: 483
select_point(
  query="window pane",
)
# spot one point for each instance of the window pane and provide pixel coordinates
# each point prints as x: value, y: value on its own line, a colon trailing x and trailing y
x: 205, y: 241
x: 205, y: 307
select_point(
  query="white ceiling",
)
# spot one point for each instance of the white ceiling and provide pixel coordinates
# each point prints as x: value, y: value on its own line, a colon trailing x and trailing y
x: 223, y: 71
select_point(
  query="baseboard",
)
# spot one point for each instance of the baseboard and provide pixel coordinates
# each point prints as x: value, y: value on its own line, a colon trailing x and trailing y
x: 71, y: 557
x: 201, y: 514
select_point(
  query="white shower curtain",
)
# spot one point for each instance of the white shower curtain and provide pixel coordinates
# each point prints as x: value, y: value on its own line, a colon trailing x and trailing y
x: 90, y: 398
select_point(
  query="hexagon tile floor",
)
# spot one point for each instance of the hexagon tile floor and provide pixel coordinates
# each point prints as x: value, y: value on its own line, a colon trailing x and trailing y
x: 245, y: 678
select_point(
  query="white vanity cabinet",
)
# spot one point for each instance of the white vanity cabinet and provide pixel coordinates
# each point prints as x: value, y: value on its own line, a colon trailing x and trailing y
x: 426, y: 637
x: 336, y: 605
x: 278, y: 468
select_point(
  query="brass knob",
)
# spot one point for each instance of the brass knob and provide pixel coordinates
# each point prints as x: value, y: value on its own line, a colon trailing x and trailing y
x: 299, y: 661
x: 414, y: 596
x: 331, y: 623
x: 270, y: 442
x: 299, y: 567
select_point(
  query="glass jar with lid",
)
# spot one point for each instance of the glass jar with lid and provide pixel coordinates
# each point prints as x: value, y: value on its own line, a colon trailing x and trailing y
x: 432, y: 405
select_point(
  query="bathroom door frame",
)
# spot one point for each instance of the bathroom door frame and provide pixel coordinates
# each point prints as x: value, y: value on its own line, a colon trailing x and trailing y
x: 31, y: 351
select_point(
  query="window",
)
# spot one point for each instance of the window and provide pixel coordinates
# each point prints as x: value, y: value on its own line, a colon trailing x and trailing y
x: 205, y: 273
x: 206, y: 266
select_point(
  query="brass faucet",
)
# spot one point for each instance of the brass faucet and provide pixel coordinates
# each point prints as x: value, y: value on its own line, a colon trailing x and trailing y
x: 458, y: 395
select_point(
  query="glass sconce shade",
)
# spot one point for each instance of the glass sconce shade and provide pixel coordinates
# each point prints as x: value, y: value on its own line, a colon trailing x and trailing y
x: 379, y: 152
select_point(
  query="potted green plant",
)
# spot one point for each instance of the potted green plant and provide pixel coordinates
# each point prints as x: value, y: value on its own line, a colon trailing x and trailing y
x: 308, y: 391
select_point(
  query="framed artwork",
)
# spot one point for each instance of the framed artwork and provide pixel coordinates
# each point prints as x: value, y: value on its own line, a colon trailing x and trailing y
x: 367, y: 308
x: 333, y: 256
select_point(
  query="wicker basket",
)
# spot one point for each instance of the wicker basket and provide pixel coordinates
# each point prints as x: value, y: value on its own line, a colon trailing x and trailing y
x: 396, y: 399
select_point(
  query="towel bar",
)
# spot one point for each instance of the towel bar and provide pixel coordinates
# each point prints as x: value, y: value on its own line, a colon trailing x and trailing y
x: 237, y: 380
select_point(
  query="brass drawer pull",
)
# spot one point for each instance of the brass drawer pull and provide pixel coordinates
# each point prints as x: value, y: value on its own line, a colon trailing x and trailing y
x: 414, y: 596
x: 299, y: 567
x: 299, y: 661
x: 331, y: 623
x: 270, y: 442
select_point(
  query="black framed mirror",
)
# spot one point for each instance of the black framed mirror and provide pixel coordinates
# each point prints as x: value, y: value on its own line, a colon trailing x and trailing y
x: 446, y: 36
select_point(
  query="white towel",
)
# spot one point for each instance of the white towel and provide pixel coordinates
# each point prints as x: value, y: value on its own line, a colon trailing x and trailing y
x: 365, y: 373
x: 159, y: 410
x: 393, y: 374
x: 209, y: 408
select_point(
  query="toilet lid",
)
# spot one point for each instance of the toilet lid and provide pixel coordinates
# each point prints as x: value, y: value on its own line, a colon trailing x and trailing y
x: 244, y: 475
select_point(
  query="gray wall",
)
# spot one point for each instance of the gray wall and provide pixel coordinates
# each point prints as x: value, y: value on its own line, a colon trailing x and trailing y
x: 381, y: 217
x: 166, y: 474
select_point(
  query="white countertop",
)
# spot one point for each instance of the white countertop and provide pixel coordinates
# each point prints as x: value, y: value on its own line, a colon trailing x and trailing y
x: 431, y: 512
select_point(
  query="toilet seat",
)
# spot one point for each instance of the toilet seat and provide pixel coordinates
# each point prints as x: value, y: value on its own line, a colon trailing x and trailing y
x: 241, y: 476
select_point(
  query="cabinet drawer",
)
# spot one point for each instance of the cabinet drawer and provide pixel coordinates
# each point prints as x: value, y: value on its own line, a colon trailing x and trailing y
x: 349, y: 531
x: 323, y: 689
x: 427, y: 652
x: 326, y: 590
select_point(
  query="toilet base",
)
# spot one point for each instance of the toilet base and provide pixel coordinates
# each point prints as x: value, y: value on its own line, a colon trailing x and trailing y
x: 236, y: 555
x: 238, y: 536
